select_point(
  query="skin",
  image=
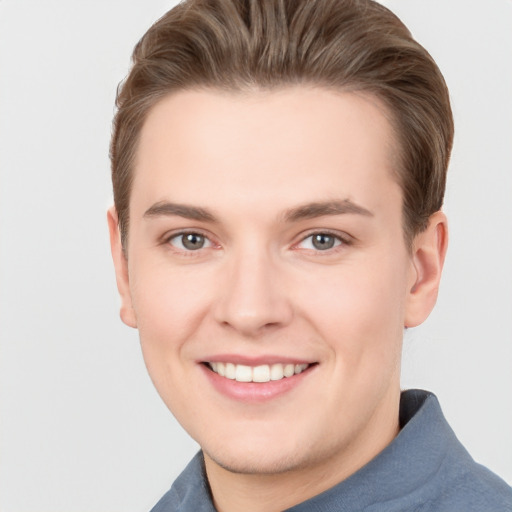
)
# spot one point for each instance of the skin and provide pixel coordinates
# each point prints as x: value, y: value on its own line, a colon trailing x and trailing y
x: 259, y: 287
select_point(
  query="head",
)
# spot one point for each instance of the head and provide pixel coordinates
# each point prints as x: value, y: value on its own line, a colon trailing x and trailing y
x: 278, y: 172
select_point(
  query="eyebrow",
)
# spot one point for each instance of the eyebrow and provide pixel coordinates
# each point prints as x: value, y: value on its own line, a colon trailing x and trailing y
x: 164, y: 208
x: 319, y: 209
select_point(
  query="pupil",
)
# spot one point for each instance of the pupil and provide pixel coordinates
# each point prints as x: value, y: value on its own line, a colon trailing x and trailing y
x: 323, y: 242
x: 193, y: 241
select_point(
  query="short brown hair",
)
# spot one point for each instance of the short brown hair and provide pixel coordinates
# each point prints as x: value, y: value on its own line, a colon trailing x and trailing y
x: 238, y: 45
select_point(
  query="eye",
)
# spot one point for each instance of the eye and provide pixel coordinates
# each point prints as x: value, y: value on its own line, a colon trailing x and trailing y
x: 189, y: 241
x: 320, y: 242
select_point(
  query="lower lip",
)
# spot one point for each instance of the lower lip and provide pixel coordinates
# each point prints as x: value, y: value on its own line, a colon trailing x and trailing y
x: 254, y: 391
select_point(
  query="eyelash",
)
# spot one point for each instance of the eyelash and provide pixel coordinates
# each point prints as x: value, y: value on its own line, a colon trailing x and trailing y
x: 339, y: 240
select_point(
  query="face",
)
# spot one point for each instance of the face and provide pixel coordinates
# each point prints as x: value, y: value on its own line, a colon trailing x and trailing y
x: 267, y: 273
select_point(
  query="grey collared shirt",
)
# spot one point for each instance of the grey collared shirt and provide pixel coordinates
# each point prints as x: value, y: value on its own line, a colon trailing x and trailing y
x: 424, y: 469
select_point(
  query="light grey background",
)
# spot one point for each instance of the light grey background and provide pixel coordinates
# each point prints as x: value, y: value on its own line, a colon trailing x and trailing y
x: 81, y: 427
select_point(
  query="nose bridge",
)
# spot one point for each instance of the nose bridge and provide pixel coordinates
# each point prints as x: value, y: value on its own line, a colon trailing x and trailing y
x: 253, y: 296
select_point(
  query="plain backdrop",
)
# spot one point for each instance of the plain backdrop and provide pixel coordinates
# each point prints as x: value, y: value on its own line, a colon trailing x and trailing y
x: 82, y: 428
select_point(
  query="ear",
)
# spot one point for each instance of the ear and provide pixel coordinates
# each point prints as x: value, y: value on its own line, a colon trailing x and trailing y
x: 428, y: 253
x: 127, y: 312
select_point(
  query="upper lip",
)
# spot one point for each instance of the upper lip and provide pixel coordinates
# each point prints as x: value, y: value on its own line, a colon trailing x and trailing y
x: 254, y: 360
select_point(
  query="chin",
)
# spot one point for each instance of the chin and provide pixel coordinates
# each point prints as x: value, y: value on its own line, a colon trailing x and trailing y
x: 254, y: 446
x: 266, y: 455
x: 257, y: 464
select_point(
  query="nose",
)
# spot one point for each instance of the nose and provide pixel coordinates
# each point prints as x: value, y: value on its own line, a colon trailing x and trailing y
x: 253, y: 297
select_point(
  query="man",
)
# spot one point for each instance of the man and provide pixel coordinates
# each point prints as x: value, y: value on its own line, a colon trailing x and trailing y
x: 279, y: 171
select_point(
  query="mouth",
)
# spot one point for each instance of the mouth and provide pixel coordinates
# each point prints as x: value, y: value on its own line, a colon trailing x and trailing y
x: 260, y: 374
x: 256, y: 380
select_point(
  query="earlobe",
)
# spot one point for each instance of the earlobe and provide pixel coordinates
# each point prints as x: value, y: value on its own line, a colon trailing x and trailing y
x: 127, y: 312
x: 427, y: 260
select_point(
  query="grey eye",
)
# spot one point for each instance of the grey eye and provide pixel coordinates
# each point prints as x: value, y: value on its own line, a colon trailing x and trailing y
x: 322, y: 241
x: 190, y: 241
x: 193, y: 241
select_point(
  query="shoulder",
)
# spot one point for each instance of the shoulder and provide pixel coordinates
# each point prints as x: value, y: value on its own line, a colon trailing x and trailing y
x: 446, y: 478
x: 472, y: 488
x: 456, y: 481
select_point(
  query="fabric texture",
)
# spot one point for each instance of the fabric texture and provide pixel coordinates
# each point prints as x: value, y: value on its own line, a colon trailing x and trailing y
x: 424, y: 469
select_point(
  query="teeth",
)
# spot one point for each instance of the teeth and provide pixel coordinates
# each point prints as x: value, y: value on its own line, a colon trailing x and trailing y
x: 262, y: 373
x: 276, y: 372
x: 289, y: 370
x: 243, y: 373
x: 230, y: 371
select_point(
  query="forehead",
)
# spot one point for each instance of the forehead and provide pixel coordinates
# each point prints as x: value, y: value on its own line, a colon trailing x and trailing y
x: 276, y: 148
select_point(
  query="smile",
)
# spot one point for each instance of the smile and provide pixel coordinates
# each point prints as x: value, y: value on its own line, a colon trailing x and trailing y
x: 261, y: 373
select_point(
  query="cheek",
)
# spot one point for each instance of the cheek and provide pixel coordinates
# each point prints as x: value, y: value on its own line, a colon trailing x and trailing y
x: 361, y: 312
x: 169, y: 305
x: 164, y: 295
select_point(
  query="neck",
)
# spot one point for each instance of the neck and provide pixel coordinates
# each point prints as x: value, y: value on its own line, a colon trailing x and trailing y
x: 279, y: 491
